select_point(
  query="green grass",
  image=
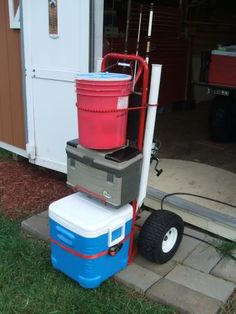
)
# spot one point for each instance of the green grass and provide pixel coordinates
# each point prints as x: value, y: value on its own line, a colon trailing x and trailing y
x: 29, y: 285
x: 4, y: 154
x: 226, y: 249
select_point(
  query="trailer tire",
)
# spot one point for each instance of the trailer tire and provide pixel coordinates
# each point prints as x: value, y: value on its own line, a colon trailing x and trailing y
x: 160, y: 236
x: 222, y: 119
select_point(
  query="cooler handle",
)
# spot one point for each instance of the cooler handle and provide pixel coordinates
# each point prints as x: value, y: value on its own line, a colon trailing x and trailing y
x: 112, y: 229
x: 65, y: 236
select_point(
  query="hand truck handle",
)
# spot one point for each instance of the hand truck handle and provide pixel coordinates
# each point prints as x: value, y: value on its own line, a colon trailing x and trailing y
x: 142, y: 69
x: 143, y: 66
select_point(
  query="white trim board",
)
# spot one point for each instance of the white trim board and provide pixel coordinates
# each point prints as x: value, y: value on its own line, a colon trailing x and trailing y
x: 14, y: 149
x: 50, y: 164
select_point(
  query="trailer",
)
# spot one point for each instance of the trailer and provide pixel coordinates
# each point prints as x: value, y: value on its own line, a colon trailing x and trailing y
x: 217, y: 74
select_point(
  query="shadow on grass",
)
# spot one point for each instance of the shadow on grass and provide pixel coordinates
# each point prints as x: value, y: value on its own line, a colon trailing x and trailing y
x: 28, y: 283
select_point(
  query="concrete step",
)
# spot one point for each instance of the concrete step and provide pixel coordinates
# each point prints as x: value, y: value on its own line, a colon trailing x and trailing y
x: 191, y: 177
x: 218, y: 223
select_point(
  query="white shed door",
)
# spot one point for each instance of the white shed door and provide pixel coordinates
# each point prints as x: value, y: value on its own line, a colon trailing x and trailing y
x: 54, y: 51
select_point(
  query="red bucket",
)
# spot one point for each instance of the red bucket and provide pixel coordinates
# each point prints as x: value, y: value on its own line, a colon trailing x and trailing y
x: 101, y: 100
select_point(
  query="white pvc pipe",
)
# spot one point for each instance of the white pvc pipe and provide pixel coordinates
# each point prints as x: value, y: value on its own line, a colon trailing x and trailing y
x: 149, y: 131
x: 99, y: 64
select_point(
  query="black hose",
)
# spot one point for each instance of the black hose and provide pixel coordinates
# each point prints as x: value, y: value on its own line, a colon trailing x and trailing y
x: 206, y: 198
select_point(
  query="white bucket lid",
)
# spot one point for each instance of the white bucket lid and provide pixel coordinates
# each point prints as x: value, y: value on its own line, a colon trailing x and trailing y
x: 103, y: 76
x: 88, y: 217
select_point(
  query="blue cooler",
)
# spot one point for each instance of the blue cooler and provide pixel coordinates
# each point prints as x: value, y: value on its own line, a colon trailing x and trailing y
x: 89, y: 240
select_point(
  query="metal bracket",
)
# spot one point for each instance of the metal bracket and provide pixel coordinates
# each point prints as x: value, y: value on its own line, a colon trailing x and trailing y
x: 53, y: 18
x: 31, y: 151
x: 14, y: 18
x: 156, y: 145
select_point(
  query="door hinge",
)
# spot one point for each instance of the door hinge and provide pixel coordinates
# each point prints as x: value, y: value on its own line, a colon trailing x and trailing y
x: 31, y: 151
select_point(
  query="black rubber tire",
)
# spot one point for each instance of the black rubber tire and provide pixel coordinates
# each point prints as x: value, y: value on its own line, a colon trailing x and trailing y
x: 222, y: 119
x: 152, y: 235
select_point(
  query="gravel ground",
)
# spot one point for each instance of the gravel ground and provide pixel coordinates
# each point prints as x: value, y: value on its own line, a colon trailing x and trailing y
x: 26, y: 189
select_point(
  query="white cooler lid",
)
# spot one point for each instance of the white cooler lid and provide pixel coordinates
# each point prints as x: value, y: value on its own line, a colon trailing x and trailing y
x: 88, y: 217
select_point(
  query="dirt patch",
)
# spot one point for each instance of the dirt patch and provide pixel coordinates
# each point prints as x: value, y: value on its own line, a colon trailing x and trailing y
x: 27, y: 189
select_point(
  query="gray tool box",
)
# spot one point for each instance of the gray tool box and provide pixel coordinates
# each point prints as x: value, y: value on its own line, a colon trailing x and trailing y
x: 112, y: 176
